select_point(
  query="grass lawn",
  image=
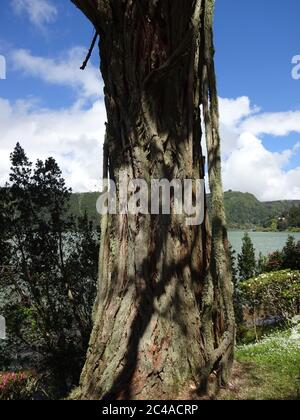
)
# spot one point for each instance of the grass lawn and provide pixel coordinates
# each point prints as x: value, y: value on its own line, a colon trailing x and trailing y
x: 267, y: 370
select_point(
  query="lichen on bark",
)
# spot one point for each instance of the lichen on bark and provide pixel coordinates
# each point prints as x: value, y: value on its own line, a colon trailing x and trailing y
x: 163, y: 318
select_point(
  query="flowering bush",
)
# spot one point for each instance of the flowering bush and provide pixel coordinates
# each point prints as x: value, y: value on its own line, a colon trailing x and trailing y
x: 12, y: 385
x: 29, y: 385
x: 275, y: 294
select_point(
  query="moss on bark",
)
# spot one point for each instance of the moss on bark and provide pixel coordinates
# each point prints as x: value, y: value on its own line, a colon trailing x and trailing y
x: 163, y: 319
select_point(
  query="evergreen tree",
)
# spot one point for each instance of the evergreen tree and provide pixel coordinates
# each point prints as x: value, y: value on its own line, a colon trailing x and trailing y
x: 291, y: 254
x: 261, y: 266
x: 237, y: 296
x: 5, y: 246
x: 247, y: 259
x: 294, y: 217
x: 54, y: 263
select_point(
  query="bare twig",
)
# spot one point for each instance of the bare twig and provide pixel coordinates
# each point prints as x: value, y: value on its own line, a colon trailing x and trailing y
x: 85, y: 63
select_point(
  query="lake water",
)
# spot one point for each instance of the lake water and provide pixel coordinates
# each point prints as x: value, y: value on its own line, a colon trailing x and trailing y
x: 264, y: 242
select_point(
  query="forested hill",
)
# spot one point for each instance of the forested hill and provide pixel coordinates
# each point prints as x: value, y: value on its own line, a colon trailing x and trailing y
x: 82, y: 203
x: 243, y: 210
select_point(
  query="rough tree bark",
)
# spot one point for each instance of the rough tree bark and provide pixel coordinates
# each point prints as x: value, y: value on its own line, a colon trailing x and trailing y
x: 163, y: 320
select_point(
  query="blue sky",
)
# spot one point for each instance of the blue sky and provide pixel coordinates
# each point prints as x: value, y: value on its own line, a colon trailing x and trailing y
x: 51, y: 107
x: 255, y: 41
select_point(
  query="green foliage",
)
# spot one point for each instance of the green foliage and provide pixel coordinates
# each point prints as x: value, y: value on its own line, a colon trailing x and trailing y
x: 272, y: 295
x: 49, y: 284
x: 274, y: 262
x: 283, y: 216
x: 291, y: 254
x: 261, y: 264
x: 294, y: 217
x: 85, y: 203
x: 243, y: 211
x: 271, y: 225
x: 237, y: 299
x: 288, y: 258
x: 5, y: 245
x: 275, y: 294
x: 247, y: 259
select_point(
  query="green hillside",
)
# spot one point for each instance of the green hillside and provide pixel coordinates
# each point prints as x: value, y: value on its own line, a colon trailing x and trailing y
x: 279, y: 208
x: 243, y: 210
x: 82, y: 203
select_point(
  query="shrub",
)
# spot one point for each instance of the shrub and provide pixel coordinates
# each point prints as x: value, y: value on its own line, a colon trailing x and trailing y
x: 13, y: 386
x: 291, y: 254
x: 287, y: 259
x: 275, y: 294
x: 238, y: 309
x: 274, y: 262
x: 48, y: 285
x: 27, y: 386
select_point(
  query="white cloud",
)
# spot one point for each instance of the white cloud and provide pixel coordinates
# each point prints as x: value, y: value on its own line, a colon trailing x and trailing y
x: 39, y: 12
x: 234, y: 110
x: 248, y: 166
x: 73, y: 136
x: 252, y: 168
x: 275, y: 124
x: 62, y: 71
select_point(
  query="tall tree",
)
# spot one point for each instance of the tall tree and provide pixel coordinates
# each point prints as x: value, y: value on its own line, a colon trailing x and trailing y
x: 48, y: 271
x: 291, y: 254
x: 247, y: 259
x: 163, y: 317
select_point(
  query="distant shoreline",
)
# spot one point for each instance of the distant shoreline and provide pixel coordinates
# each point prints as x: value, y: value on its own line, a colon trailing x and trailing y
x: 261, y: 230
x: 243, y: 210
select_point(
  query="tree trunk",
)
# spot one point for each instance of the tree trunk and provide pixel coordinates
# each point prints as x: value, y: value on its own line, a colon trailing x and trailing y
x: 163, y: 319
